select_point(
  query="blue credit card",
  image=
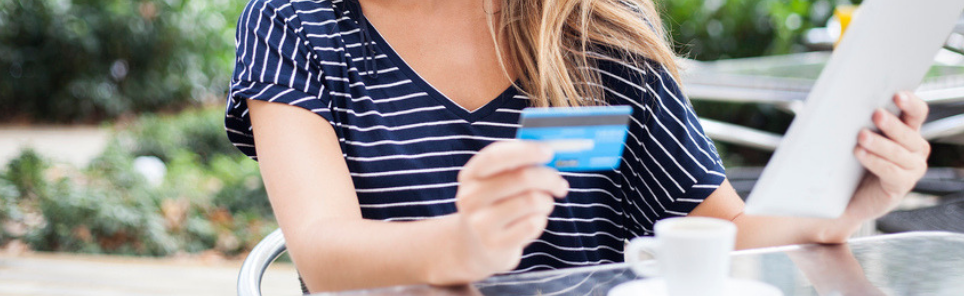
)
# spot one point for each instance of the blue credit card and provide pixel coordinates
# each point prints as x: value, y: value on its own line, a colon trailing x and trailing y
x: 583, y: 138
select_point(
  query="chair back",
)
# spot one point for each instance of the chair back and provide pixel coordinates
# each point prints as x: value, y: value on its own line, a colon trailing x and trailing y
x: 254, y: 266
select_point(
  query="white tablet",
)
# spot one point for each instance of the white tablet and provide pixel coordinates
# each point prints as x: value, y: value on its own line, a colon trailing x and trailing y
x: 888, y: 47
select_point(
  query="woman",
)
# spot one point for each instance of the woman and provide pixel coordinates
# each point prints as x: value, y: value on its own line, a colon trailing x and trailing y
x: 370, y: 128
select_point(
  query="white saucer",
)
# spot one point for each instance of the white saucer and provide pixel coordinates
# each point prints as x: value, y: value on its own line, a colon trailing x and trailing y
x: 657, y: 287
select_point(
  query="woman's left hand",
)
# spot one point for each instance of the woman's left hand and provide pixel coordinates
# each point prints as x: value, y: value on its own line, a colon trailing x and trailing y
x: 896, y: 159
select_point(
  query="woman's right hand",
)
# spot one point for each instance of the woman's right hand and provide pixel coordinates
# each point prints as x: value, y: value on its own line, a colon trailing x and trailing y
x: 504, y: 198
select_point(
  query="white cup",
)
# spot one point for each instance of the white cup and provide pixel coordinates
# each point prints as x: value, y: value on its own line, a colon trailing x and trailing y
x: 692, y: 254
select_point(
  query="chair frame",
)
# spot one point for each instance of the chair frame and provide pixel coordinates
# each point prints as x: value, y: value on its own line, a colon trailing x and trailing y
x: 257, y: 262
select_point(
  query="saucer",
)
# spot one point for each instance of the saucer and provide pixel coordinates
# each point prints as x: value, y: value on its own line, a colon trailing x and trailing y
x: 657, y: 287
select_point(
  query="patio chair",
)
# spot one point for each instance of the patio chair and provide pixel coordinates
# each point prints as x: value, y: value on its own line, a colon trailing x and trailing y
x: 252, y: 270
x: 948, y: 215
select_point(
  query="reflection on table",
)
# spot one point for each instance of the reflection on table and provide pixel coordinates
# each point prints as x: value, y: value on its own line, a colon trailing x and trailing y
x: 922, y: 263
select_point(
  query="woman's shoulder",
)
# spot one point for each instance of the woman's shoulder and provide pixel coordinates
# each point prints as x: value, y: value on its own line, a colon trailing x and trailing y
x: 637, y: 79
x: 299, y: 14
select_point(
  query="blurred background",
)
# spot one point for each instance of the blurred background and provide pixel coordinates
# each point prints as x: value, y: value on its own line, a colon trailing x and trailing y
x: 111, y: 129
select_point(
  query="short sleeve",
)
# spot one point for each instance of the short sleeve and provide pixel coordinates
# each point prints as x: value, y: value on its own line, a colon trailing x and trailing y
x: 273, y: 63
x: 670, y: 166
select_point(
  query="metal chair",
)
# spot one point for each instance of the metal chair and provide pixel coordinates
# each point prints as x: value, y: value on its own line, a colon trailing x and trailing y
x: 254, y: 266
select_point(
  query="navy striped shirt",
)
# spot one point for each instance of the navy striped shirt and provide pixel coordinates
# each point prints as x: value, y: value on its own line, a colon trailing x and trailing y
x: 405, y: 142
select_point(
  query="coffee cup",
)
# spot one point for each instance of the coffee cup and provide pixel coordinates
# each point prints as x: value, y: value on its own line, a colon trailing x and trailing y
x: 692, y: 254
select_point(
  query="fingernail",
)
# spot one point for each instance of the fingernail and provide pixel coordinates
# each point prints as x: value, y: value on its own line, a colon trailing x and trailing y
x: 865, y: 137
x: 902, y: 97
x: 861, y: 152
x: 546, y: 152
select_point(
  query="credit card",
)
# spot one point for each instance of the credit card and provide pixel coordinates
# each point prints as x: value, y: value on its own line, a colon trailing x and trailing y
x: 583, y: 138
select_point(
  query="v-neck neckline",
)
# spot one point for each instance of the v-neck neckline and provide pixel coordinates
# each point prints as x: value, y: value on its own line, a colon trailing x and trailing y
x: 469, y: 115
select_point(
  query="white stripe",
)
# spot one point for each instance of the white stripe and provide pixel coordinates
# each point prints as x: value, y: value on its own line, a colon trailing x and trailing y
x: 577, y: 249
x: 485, y: 123
x: 298, y: 101
x: 685, y: 131
x: 314, y: 10
x: 584, y: 220
x: 504, y: 110
x: 580, y: 263
x: 381, y: 86
x: 389, y: 114
x: 589, y: 175
x: 379, y: 101
x: 332, y: 63
x: 422, y: 140
x: 237, y: 132
x: 408, y: 156
x: 377, y: 57
x: 411, y: 203
x: 641, y: 198
x: 594, y: 234
x: 401, y: 127
x: 380, y: 71
x: 267, y: 46
x: 679, y: 102
x: 405, y: 188
x: 328, y: 48
x: 279, y: 95
x: 406, y: 172
x: 594, y: 190
x: 322, y: 23
x: 658, y: 162
x: 333, y: 35
x: 646, y: 168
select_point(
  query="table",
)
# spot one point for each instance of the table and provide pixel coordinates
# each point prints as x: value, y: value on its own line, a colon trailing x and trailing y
x: 916, y: 263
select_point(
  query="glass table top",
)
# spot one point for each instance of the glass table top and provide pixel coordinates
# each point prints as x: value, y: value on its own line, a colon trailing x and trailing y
x: 921, y: 263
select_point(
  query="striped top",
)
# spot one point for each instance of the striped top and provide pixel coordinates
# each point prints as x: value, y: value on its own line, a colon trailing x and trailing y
x: 405, y: 142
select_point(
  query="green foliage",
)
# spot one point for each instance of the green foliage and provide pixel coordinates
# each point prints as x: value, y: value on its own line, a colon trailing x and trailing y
x: 25, y: 173
x: 100, y: 219
x: 718, y: 29
x: 199, y: 131
x: 211, y: 198
x: 84, y: 60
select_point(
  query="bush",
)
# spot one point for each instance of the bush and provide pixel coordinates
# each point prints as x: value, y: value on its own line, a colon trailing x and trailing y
x: 84, y: 60
x: 718, y: 29
x: 200, y: 132
x: 212, y: 197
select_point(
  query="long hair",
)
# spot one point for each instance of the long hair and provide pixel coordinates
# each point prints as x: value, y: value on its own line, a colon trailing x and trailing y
x: 555, y: 44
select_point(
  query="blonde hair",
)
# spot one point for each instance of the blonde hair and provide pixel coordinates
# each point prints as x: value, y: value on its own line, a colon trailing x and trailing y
x: 554, y: 44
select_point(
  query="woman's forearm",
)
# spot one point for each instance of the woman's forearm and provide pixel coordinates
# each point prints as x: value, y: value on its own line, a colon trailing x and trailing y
x: 767, y: 231
x: 352, y: 253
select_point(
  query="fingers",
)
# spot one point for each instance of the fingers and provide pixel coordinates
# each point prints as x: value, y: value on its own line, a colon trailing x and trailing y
x: 914, y: 110
x: 475, y: 194
x: 878, y: 165
x: 525, y: 230
x: 514, y: 221
x: 882, y: 146
x: 510, y: 210
x: 505, y: 156
x: 901, y: 133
